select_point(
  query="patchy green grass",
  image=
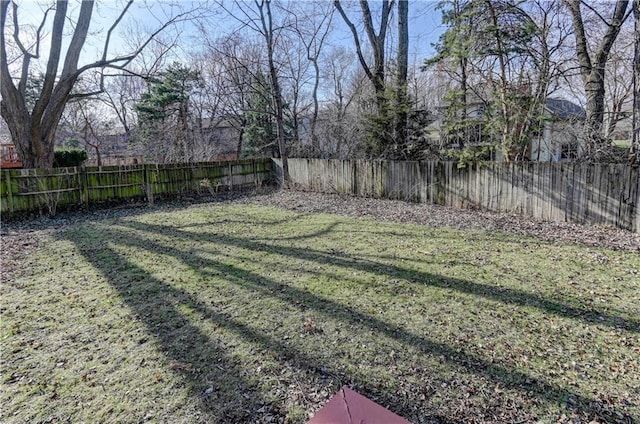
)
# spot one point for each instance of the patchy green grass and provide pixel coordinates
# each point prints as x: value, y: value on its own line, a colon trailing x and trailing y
x: 236, y: 313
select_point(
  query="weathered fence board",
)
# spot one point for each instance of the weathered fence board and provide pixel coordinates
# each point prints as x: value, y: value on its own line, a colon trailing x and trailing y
x: 607, y: 194
x: 47, y: 189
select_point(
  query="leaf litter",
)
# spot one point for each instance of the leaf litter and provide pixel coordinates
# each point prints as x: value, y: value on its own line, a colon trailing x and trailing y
x: 298, y: 392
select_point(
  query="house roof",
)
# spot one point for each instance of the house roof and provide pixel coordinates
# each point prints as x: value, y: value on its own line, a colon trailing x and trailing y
x: 564, y: 109
x: 560, y: 109
x: 219, y: 122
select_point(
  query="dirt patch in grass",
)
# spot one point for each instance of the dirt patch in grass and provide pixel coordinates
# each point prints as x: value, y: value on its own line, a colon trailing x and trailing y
x: 239, y: 312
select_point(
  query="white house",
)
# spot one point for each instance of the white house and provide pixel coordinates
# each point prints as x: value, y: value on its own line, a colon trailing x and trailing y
x: 558, y: 141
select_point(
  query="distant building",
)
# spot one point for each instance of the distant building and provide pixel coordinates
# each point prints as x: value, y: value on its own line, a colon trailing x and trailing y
x: 556, y: 140
x: 624, y: 128
x: 207, y: 140
x: 559, y: 139
x: 219, y: 137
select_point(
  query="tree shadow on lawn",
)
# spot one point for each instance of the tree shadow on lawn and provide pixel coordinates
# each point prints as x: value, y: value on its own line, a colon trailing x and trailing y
x: 156, y: 303
x: 492, y: 292
x: 216, y: 220
x: 194, y: 355
x: 146, y: 308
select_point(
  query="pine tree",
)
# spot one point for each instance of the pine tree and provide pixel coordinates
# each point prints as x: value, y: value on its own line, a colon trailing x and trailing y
x: 485, y: 49
x: 260, y: 138
x: 163, y: 112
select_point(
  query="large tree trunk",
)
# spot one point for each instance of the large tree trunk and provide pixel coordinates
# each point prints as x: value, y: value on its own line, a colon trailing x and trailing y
x: 592, y: 69
x: 594, y: 90
x: 34, y: 148
x: 33, y: 132
x: 376, y: 73
x: 402, y: 106
x: 267, y: 26
x: 33, y: 128
x: 635, y: 146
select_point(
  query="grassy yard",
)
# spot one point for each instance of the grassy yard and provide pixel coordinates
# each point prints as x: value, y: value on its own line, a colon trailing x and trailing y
x: 242, y: 313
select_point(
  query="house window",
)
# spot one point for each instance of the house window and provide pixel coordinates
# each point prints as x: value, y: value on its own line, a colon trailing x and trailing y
x: 476, y: 134
x: 537, y: 130
x: 569, y: 151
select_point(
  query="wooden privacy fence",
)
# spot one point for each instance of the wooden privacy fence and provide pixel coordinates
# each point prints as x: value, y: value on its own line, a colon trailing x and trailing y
x: 573, y: 192
x: 37, y: 189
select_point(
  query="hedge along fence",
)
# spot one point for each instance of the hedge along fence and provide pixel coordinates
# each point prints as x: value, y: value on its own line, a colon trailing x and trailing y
x: 24, y: 190
x: 606, y: 194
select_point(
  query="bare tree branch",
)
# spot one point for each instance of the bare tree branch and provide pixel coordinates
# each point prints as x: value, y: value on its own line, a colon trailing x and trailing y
x: 52, y: 62
x: 78, y: 39
x: 115, y: 24
x: 26, y: 55
x: 356, y: 39
x: 34, y: 131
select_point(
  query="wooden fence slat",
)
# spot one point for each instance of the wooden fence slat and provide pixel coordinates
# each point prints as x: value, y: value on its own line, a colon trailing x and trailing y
x: 9, y: 185
x: 31, y: 189
x: 45, y: 192
x: 573, y: 192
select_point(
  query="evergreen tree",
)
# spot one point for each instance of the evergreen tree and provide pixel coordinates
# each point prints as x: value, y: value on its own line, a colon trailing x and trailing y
x: 163, y: 112
x: 260, y: 138
x: 485, y: 50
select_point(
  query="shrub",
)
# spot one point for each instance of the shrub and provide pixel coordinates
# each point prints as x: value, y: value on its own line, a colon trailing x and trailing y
x: 70, y: 157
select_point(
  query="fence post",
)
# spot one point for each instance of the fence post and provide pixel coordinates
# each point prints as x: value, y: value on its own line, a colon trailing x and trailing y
x: 438, y: 176
x: 254, y: 170
x: 636, y: 227
x: 9, y: 189
x: 148, y: 182
x: 354, y: 176
x: 83, y: 179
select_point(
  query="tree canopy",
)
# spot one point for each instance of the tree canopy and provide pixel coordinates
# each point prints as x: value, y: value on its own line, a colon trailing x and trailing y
x: 338, y: 79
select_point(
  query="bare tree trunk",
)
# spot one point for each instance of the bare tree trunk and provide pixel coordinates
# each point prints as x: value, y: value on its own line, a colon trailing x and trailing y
x: 240, y: 137
x: 89, y: 133
x: 635, y: 145
x: 315, y: 142
x: 375, y: 74
x: 402, y: 106
x: 464, y: 89
x: 507, y: 140
x: 592, y: 69
x: 267, y: 26
x: 181, y: 139
x: 33, y: 131
x: 314, y: 45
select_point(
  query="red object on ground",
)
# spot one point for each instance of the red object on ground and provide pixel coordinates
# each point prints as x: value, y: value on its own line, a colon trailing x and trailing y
x: 349, y: 407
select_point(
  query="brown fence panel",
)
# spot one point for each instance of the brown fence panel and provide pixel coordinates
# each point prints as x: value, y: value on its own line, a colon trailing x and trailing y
x: 605, y: 194
x: 39, y: 189
x: 108, y: 183
x: 23, y: 190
